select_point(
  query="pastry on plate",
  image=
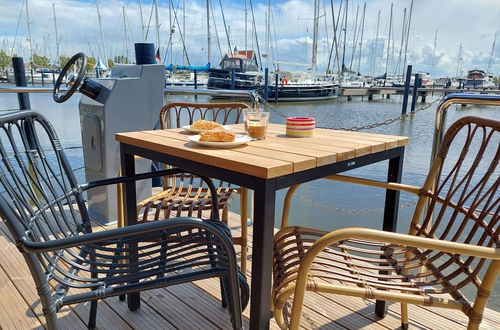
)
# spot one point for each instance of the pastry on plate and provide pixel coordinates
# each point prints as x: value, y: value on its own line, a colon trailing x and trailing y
x: 206, y: 124
x: 217, y: 136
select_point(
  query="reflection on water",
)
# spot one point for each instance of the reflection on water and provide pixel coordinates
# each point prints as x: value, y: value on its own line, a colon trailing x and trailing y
x: 326, y: 205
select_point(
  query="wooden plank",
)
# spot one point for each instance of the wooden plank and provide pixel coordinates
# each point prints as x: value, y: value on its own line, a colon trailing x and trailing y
x: 225, y: 158
x: 299, y: 162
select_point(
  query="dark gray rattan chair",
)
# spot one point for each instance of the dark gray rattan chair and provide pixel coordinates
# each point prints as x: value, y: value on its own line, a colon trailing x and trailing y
x: 44, y: 209
x: 186, y: 195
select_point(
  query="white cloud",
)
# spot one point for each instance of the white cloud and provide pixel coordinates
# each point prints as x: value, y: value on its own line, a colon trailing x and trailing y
x: 472, y: 23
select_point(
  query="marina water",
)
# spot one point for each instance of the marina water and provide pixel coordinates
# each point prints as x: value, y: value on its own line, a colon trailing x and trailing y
x: 322, y: 204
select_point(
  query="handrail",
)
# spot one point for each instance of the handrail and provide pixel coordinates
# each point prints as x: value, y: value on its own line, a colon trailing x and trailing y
x: 17, y: 89
x: 459, y: 98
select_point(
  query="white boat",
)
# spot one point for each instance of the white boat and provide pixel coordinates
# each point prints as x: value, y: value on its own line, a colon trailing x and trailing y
x: 478, y: 79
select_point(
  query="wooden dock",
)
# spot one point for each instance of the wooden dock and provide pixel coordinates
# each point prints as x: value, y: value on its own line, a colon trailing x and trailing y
x: 197, y: 306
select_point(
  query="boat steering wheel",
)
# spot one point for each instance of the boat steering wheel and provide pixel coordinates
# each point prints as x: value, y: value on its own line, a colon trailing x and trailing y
x: 72, y: 79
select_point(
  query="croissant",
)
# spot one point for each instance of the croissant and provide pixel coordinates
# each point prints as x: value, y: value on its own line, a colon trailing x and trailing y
x: 217, y: 136
x: 206, y: 124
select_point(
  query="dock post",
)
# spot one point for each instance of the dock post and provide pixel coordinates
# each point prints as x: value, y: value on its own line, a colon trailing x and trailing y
x: 407, y: 89
x: 53, y: 78
x: 415, y: 92
x: 266, y: 84
x: 43, y: 80
x: 32, y: 78
x: 20, y: 80
x: 424, y: 96
x: 195, y: 82
x: 233, y: 76
x: 370, y: 96
x: 276, y: 88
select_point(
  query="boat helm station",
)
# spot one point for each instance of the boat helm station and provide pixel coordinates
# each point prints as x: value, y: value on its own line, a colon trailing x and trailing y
x: 128, y: 100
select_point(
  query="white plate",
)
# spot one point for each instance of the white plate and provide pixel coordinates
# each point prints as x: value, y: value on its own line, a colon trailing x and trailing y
x: 239, y: 140
x: 196, y: 131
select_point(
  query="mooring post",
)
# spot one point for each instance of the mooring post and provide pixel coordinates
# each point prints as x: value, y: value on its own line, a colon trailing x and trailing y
x: 32, y: 78
x: 415, y: 92
x: 20, y: 80
x: 407, y: 89
x: 43, y: 80
x: 195, y: 82
x: 233, y: 76
x: 266, y: 83
x: 53, y: 78
x: 276, y: 88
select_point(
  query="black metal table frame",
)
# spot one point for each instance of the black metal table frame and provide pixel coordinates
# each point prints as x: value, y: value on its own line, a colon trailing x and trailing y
x: 264, y: 208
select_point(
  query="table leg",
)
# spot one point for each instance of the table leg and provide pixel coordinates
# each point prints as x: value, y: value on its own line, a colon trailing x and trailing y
x: 262, y: 254
x: 391, y: 211
x: 130, y: 212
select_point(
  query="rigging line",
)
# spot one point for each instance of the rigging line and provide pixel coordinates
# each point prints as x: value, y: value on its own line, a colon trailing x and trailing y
x: 334, y: 41
x: 403, y: 32
x: 225, y: 27
x: 180, y: 31
x: 275, y: 36
x: 17, y: 29
x: 149, y: 22
x: 354, y: 38
x: 215, y: 28
x: 255, y: 32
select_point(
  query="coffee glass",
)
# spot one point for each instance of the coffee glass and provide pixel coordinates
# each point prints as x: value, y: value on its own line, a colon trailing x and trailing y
x: 256, y: 123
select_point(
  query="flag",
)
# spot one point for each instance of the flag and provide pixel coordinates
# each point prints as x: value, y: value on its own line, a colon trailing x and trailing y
x: 158, y: 57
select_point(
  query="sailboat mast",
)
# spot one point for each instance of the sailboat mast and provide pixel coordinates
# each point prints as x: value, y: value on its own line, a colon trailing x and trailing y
x: 388, y: 42
x: 345, y: 34
x: 102, y: 34
x: 375, y: 49
x: 407, y: 38
x: 246, y: 25
x: 125, y: 35
x: 315, y: 37
x: 184, y: 29
x: 57, y: 36
x: 29, y: 32
x: 142, y: 22
x: 488, y: 69
x: 457, y: 73
x: 354, y: 37
x: 434, y: 53
x: 209, y: 47
x: 157, y: 20
x: 361, y: 41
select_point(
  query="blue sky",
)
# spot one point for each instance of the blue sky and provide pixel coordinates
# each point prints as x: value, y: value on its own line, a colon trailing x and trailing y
x: 470, y: 23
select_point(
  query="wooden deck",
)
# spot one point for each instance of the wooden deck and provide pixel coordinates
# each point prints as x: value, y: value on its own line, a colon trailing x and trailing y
x: 197, y: 306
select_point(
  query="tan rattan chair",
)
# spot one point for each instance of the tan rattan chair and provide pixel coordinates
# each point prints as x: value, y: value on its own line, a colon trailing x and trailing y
x: 185, y: 195
x: 452, y: 242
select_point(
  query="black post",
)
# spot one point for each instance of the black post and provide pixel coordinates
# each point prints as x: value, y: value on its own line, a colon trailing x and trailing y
x: 32, y: 80
x: 266, y: 84
x: 195, y: 82
x: 233, y: 76
x: 276, y: 89
x: 415, y: 91
x: 43, y: 80
x: 53, y: 77
x: 407, y: 89
x: 20, y: 80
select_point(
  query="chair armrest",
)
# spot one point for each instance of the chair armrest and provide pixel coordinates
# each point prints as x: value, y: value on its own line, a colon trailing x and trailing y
x: 373, y: 183
x: 401, y: 239
x: 117, y: 233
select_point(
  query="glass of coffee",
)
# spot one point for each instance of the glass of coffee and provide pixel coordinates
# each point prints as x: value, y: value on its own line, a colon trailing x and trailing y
x: 256, y: 123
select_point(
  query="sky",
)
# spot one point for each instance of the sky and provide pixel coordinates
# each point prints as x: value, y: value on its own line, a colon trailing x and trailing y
x: 472, y: 24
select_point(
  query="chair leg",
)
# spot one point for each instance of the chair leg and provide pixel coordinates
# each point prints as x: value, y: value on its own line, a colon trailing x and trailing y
x: 93, y: 314
x: 244, y: 228
x: 404, y: 315
x: 223, y: 291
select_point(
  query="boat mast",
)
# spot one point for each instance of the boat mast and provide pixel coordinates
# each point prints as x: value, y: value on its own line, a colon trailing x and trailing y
x: 388, y: 43
x: 125, y: 32
x: 315, y: 37
x: 142, y: 22
x: 345, y: 34
x: 57, y: 37
x: 407, y: 38
x: 354, y: 37
x: 209, y: 48
x: 157, y: 28
x: 335, y: 42
x: 361, y: 41
x: 403, y: 33
x: 102, y: 34
x: 246, y: 25
x: 29, y: 33
x: 434, y: 53
x: 268, y: 33
x: 490, y: 61
x: 375, y: 48
x: 457, y: 73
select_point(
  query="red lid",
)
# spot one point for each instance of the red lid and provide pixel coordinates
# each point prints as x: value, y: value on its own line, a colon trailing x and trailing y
x: 300, y: 119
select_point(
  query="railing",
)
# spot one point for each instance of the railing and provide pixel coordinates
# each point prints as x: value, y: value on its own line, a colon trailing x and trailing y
x: 443, y: 106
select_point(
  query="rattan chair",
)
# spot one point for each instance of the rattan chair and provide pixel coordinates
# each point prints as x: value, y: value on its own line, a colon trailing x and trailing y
x: 45, y: 211
x: 185, y: 195
x: 452, y: 242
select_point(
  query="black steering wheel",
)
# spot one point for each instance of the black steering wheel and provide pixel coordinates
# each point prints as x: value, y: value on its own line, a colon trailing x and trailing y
x: 72, y: 78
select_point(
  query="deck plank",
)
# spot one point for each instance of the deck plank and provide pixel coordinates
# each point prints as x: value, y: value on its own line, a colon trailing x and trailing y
x: 197, y: 305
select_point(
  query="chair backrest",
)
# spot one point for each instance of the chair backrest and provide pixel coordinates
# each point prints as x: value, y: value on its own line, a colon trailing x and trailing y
x: 177, y: 114
x: 37, y: 183
x: 460, y: 200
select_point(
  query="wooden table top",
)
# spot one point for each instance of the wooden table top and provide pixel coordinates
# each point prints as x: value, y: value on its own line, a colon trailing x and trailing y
x: 275, y: 156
